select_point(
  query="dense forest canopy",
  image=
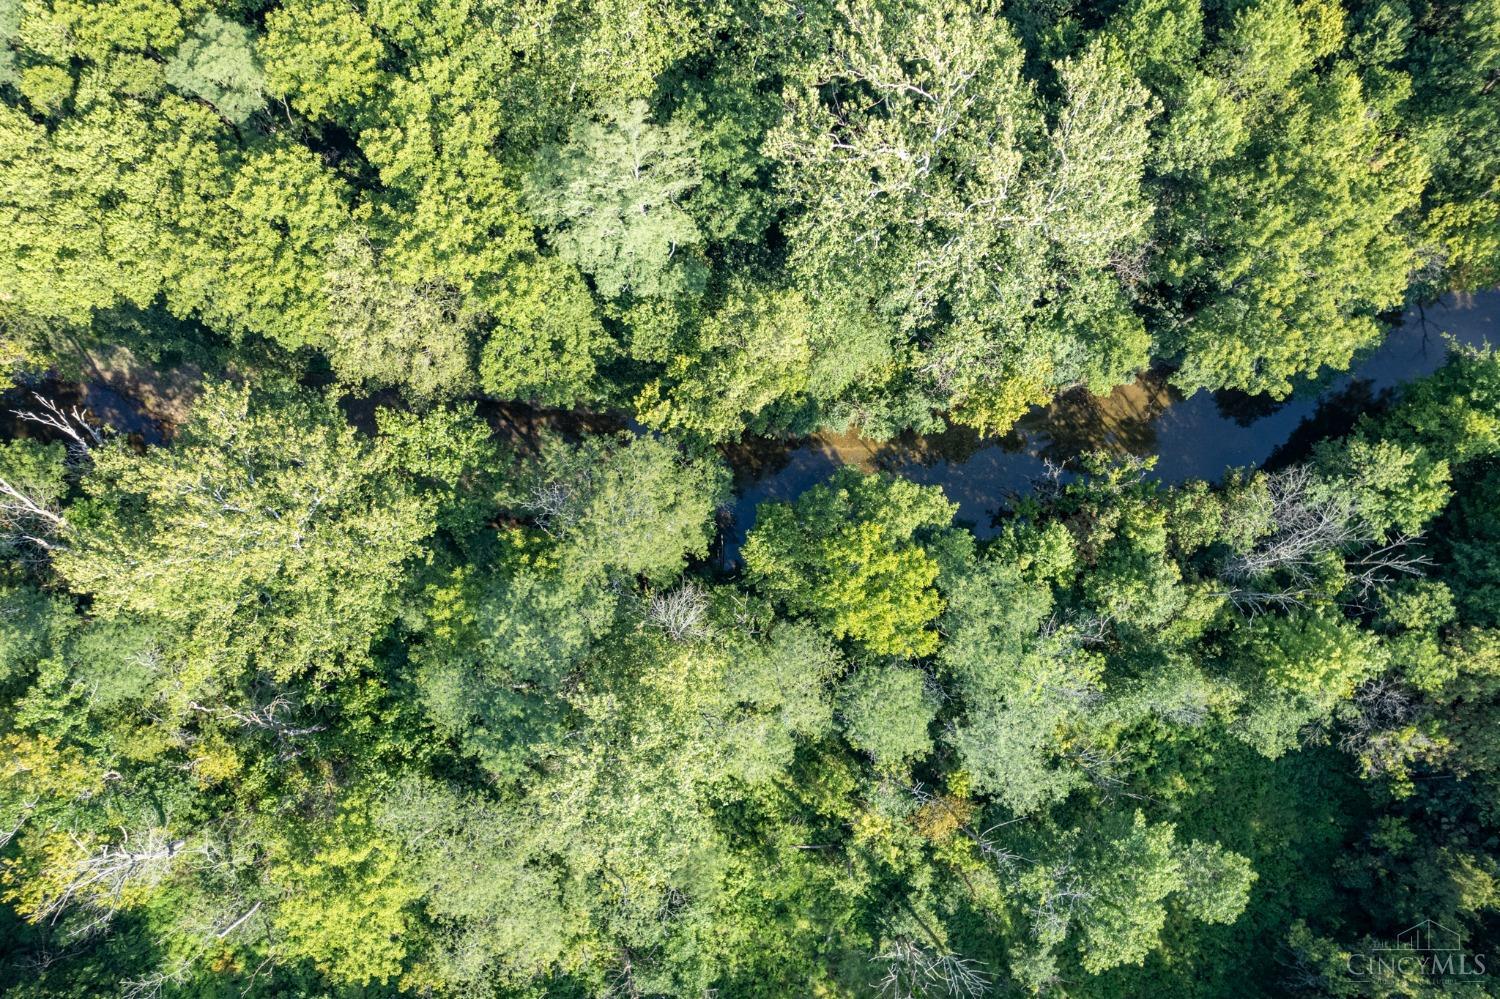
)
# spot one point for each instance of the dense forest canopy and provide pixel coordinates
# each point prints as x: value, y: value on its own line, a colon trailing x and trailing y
x: 334, y: 690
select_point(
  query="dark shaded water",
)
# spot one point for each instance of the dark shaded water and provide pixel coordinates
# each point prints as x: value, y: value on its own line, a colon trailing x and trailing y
x: 1198, y: 437
x: 128, y: 396
x: 101, y: 404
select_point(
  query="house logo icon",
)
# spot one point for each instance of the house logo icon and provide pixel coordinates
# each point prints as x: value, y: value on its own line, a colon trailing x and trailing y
x: 1428, y: 950
x: 1428, y: 935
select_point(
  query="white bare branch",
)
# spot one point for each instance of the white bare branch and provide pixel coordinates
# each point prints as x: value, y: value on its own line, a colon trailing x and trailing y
x: 81, y: 435
x: 18, y: 507
x: 268, y: 717
x: 679, y: 612
x: 912, y: 970
x: 1283, y: 571
x: 101, y: 876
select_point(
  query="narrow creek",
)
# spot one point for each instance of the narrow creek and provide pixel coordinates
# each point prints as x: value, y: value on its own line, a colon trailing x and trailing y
x: 1196, y: 437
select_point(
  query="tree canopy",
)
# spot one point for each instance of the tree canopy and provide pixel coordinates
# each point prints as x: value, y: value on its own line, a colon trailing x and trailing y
x: 383, y: 606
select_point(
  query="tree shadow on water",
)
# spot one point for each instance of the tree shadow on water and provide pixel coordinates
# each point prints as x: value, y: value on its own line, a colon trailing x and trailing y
x: 1335, y: 417
x: 1122, y: 423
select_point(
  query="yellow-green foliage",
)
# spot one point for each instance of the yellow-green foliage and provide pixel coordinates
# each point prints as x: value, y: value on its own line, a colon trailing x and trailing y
x: 859, y: 553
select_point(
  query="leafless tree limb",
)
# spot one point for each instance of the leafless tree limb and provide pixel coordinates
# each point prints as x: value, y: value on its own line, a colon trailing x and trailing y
x: 268, y: 717
x: 912, y: 970
x: 679, y: 612
x: 101, y: 876
x: 81, y: 435
x: 1282, y: 571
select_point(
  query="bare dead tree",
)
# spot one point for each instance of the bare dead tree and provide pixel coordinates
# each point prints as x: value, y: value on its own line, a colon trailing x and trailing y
x: 153, y: 985
x: 269, y: 717
x: 1384, y: 701
x: 1189, y: 712
x: 1102, y: 769
x: 43, y: 957
x: 1306, y: 524
x: 679, y: 612
x: 1301, y: 975
x: 624, y: 985
x: 984, y: 840
x: 1317, y: 732
x: 912, y: 970
x: 671, y: 904
x: 549, y: 504
x: 1049, y: 484
x: 1076, y: 631
x: 1133, y: 268
x: 1282, y: 571
x: 744, y: 618
x: 1073, y: 690
x: 100, y: 876
x: 1053, y: 912
x: 23, y: 813
x: 238, y: 922
x: 1256, y: 601
x: 1377, y: 732
x: 1373, y: 569
x: 28, y: 517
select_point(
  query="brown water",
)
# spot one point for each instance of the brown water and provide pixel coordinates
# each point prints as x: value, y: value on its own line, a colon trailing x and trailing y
x: 1197, y: 437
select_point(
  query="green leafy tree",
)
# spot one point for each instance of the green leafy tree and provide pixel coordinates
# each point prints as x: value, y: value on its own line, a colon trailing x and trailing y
x: 268, y: 535
x: 1025, y: 694
x: 10, y: 30
x: 1455, y: 412
x: 1453, y: 62
x: 217, y: 63
x: 300, y: 699
x: 500, y: 643
x: 387, y: 334
x: 861, y: 555
x: 346, y: 899
x: 1393, y: 487
x: 927, y: 181
x: 1278, y: 288
x: 751, y: 355
x: 886, y: 712
x: 270, y: 235
x: 83, y: 202
x: 616, y: 825
x: 1133, y: 580
x: 1108, y: 890
x: 1215, y: 882
x: 633, y: 505
x: 1298, y: 670
x: 446, y: 205
x: 548, y: 340
x: 322, y: 57
x: 610, y: 200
